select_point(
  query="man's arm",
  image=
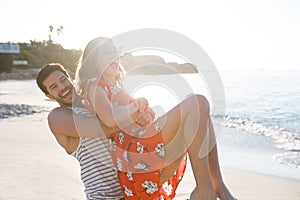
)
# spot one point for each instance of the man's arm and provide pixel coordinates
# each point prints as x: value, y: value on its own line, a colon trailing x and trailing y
x: 63, y: 121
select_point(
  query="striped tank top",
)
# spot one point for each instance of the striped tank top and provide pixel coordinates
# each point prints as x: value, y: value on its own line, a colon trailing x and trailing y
x: 98, y: 173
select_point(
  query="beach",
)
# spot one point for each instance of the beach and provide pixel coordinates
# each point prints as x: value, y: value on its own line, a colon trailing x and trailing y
x: 34, y: 166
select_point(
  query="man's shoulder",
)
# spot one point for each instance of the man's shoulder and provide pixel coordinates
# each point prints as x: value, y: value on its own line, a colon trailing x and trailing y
x: 58, y: 110
x: 62, y: 111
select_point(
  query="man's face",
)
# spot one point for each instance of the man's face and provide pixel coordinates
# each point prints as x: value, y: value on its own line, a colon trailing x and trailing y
x: 59, y: 87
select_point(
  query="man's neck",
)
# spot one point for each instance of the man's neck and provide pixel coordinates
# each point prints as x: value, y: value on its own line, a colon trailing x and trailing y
x: 76, y: 102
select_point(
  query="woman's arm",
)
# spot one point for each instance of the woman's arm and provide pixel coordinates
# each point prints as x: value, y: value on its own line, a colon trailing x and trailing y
x: 121, y: 116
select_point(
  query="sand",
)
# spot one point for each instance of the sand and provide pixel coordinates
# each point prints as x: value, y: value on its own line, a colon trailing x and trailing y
x: 34, y: 166
x: 248, y: 186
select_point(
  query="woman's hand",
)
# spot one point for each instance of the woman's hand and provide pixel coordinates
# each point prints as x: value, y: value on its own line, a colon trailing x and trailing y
x: 145, y: 114
x: 143, y: 119
x: 141, y: 104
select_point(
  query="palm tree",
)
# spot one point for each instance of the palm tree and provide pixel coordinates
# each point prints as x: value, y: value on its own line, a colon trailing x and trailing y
x: 51, y: 29
x: 59, y: 30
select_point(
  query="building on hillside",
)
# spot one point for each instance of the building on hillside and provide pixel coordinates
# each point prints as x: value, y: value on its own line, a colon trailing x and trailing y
x: 8, y: 53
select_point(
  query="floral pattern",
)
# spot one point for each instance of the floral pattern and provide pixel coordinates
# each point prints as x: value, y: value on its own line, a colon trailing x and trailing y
x: 115, y: 90
x: 157, y: 128
x: 139, y: 147
x: 112, y: 145
x: 142, y: 132
x: 167, y: 188
x: 120, y: 137
x: 119, y: 164
x: 150, y: 186
x: 160, y: 149
x: 129, y: 176
x: 141, y: 166
x: 134, y: 130
x: 106, y: 90
x: 161, y: 197
x: 127, y: 191
x: 125, y: 156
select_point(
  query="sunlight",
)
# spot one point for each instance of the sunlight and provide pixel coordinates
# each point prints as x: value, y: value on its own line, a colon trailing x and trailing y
x: 167, y: 99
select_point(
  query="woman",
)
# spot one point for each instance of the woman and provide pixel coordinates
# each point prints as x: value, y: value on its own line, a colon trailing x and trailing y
x: 150, y: 154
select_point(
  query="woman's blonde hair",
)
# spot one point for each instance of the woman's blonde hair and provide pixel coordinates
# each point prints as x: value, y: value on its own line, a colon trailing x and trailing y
x: 87, y: 66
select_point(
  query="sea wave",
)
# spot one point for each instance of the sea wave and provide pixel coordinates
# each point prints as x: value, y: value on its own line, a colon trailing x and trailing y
x: 289, y: 158
x: 284, y: 139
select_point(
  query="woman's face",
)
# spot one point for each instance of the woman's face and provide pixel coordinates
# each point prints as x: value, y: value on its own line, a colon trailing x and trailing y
x: 113, y: 68
x: 108, y: 59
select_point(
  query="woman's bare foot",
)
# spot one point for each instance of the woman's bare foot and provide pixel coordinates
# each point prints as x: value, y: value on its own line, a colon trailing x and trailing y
x: 203, y: 194
x: 223, y: 193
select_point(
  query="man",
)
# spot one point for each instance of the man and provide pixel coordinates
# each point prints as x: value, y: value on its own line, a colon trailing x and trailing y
x: 80, y: 134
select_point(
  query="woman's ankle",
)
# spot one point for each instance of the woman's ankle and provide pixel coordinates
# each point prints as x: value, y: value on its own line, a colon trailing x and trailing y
x: 202, y: 193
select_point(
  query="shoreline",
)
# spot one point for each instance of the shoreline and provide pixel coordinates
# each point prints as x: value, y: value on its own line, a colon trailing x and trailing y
x: 244, y: 151
x: 19, y: 74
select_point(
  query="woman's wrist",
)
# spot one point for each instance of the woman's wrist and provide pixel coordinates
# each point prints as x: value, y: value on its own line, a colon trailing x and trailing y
x: 133, y: 112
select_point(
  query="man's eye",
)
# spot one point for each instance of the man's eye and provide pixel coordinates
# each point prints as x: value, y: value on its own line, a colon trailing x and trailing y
x: 53, y: 87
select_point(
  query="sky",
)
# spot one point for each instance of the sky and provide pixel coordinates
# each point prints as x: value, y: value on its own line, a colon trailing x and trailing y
x: 262, y: 34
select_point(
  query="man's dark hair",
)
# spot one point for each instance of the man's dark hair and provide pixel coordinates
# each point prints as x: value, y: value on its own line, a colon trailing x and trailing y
x: 46, y: 71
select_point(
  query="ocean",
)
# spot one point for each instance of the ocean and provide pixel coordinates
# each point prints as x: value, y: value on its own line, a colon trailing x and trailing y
x: 260, y: 102
x: 263, y: 103
x: 266, y: 103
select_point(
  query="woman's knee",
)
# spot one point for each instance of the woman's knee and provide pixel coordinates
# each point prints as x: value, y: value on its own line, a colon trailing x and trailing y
x: 198, y: 102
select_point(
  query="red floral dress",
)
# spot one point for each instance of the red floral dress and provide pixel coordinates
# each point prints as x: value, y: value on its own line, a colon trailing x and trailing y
x: 138, y: 154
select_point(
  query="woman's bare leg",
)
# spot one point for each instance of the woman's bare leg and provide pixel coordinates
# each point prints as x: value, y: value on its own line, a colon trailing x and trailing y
x: 186, y: 126
x: 220, y: 188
